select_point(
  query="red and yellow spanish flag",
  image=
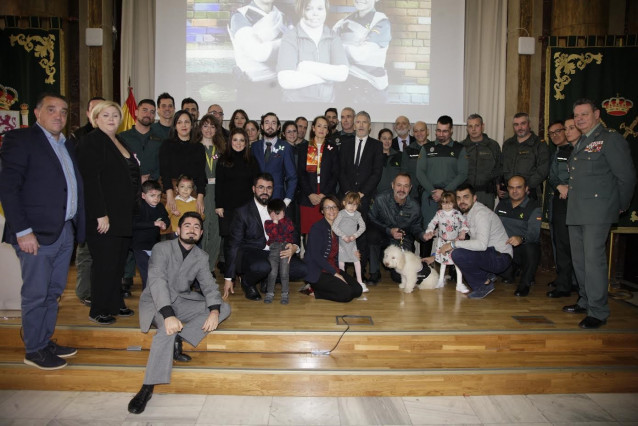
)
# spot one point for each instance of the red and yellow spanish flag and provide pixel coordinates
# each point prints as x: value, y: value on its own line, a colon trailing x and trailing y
x: 128, y: 112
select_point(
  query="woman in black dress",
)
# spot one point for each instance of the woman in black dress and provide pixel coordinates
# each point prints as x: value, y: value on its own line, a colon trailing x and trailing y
x: 112, y: 180
x: 235, y: 172
x: 182, y: 154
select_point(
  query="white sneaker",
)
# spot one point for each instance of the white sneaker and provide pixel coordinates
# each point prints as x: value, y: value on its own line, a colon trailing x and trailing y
x: 364, y: 287
x: 462, y: 288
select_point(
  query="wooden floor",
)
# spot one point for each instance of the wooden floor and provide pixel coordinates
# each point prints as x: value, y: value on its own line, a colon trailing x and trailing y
x: 440, y: 310
x: 430, y: 342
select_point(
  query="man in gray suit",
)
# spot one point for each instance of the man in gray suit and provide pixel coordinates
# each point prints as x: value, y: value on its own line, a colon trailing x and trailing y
x: 601, y: 185
x: 173, y: 267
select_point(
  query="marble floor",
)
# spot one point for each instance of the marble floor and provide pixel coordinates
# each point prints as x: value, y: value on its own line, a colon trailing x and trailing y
x: 25, y: 408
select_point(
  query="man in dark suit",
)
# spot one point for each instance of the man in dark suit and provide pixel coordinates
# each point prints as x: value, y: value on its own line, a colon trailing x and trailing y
x: 275, y: 156
x: 170, y: 304
x: 403, y: 139
x: 601, y: 184
x: 360, y: 171
x: 41, y: 193
x: 248, y: 253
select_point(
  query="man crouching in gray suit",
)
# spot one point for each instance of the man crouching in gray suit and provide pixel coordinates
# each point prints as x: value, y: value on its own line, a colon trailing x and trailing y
x: 173, y: 267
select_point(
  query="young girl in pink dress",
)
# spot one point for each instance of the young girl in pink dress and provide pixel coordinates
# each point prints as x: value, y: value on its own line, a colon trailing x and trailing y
x: 451, y: 226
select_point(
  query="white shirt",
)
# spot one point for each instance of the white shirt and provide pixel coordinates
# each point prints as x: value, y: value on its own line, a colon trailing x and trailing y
x: 486, y: 230
x: 264, y: 216
x: 356, y: 147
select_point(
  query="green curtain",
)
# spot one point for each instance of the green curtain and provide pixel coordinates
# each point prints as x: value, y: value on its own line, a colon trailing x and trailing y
x: 607, y: 75
x: 31, y: 59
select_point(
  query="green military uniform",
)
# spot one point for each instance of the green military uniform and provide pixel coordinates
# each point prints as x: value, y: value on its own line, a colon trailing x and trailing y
x: 484, y: 168
x: 601, y: 184
x: 559, y: 175
x: 392, y: 166
x: 439, y: 167
x: 146, y: 147
x: 529, y: 159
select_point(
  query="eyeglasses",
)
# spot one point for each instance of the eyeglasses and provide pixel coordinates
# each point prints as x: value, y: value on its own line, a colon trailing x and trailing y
x: 216, y: 113
x: 291, y: 131
x: 330, y: 208
x: 556, y: 132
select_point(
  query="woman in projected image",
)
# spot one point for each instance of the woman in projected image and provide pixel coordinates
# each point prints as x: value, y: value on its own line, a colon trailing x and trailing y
x: 238, y: 119
x: 366, y: 35
x: 311, y: 56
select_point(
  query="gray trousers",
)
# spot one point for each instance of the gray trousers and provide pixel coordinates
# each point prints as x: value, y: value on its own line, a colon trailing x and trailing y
x: 278, y: 267
x: 83, y: 262
x: 192, y: 314
x: 589, y: 258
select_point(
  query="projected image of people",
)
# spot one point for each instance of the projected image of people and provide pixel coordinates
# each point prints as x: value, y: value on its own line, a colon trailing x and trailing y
x: 255, y: 32
x: 366, y: 35
x: 311, y: 57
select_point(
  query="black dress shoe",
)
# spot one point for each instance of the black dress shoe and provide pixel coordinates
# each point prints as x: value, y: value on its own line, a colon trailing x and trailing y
x: 555, y: 294
x: 574, y: 309
x: 250, y: 291
x: 178, y: 355
x: 551, y: 284
x: 522, y: 290
x: 591, y: 323
x: 126, y: 312
x: 138, y: 403
x: 374, y: 279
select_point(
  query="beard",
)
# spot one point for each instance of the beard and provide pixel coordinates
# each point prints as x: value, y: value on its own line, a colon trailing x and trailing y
x: 189, y: 239
x: 465, y: 209
x: 262, y: 199
x: 270, y: 133
x: 145, y: 121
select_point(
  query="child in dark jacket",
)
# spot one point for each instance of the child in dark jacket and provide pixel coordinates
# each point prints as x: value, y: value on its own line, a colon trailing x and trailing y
x: 151, y: 218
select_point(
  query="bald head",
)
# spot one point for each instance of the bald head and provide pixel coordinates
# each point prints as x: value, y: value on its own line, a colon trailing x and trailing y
x: 420, y: 131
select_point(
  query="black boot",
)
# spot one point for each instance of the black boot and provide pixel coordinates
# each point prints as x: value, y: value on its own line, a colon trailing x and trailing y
x: 138, y: 403
x: 178, y: 355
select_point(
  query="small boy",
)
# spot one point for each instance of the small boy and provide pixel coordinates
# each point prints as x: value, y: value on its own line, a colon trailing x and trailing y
x: 184, y: 201
x: 280, y: 232
x: 147, y: 224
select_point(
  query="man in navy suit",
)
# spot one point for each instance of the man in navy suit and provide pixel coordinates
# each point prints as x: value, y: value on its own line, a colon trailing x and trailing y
x: 275, y: 156
x: 41, y: 193
x: 248, y: 254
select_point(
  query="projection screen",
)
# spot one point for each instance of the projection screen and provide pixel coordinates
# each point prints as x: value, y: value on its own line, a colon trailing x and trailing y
x: 388, y: 58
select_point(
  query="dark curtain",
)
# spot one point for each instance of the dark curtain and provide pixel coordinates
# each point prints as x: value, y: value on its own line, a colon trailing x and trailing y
x: 31, y: 58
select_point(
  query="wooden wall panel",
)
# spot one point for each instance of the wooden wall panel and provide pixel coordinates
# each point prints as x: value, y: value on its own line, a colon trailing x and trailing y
x: 583, y: 17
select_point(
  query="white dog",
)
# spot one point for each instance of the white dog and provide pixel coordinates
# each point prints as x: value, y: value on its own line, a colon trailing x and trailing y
x: 409, y: 265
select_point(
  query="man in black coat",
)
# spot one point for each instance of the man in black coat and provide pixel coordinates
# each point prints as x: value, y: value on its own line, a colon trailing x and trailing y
x: 248, y: 254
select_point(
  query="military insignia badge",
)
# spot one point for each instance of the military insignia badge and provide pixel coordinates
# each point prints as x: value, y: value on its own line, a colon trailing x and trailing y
x: 595, y: 146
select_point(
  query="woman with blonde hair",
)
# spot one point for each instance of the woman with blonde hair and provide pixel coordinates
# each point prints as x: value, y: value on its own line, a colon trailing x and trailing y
x: 111, y: 177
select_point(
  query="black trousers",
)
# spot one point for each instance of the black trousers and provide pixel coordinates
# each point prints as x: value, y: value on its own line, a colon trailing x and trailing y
x: 109, y: 255
x: 378, y: 240
x: 526, y: 259
x: 332, y: 288
x: 564, y: 267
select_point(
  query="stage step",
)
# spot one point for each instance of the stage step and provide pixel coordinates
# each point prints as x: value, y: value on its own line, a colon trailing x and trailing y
x: 364, y: 363
x: 353, y: 340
